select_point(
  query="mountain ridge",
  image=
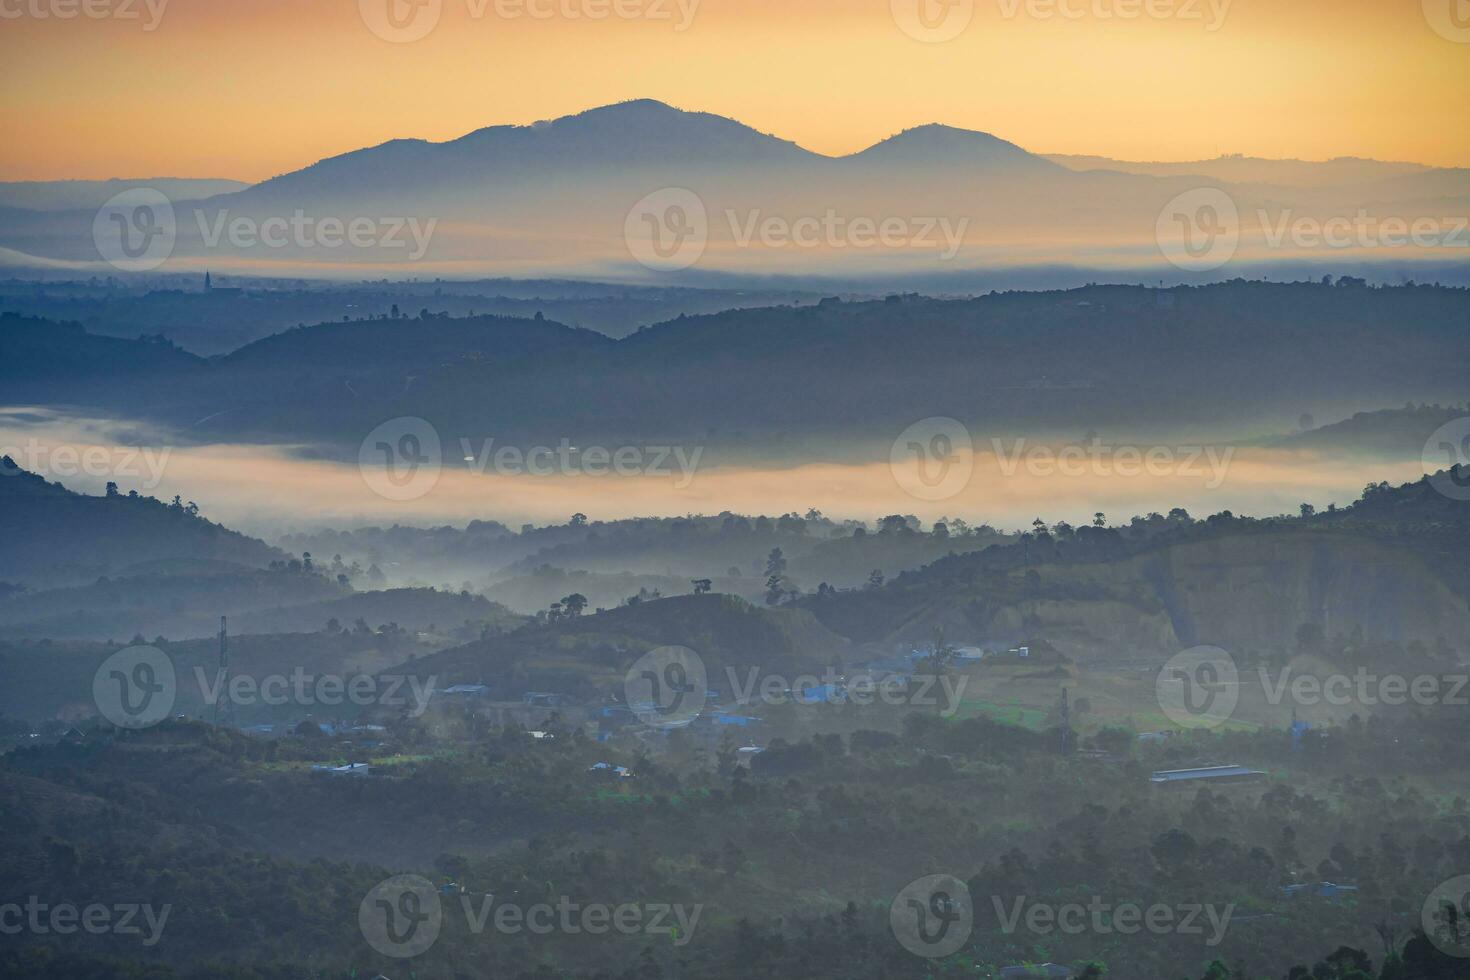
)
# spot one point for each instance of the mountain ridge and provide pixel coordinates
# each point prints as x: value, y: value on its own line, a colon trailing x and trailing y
x: 1005, y: 359
x: 581, y: 194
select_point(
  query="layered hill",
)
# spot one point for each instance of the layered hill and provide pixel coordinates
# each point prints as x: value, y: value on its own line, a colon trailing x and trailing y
x: 55, y: 536
x: 182, y: 604
x: 1389, y: 572
x: 1217, y: 358
x: 408, y: 609
x: 588, y: 655
x: 44, y: 351
x: 52, y: 679
x: 1387, y: 433
x: 215, y: 321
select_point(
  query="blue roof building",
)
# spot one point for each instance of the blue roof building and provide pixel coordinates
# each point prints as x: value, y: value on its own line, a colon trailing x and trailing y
x: 1211, y: 774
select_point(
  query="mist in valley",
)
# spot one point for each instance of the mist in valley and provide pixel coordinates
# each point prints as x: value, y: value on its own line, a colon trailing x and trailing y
x: 875, y: 491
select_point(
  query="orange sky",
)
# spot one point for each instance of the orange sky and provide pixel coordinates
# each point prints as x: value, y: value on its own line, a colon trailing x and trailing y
x: 251, y: 88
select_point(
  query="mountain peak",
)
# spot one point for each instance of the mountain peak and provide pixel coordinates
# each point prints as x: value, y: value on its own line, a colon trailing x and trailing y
x: 641, y: 108
x: 938, y: 144
x: 639, y: 128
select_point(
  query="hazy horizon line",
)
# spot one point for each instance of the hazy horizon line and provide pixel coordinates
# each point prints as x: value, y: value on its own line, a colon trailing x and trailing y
x: 1047, y: 155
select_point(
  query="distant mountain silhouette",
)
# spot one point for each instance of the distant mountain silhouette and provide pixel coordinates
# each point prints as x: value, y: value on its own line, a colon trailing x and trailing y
x: 414, y: 343
x: 56, y: 537
x: 220, y: 320
x: 604, y: 141
x: 1394, y: 433
x: 615, y: 142
x: 941, y: 147
x: 129, y: 602
x: 593, y: 652
x: 1237, y: 169
x: 1231, y: 357
x: 62, y: 195
x: 558, y: 197
x: 38, y: 350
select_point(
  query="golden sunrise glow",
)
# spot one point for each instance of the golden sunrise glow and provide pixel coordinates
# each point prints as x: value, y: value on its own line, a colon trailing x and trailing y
x: 252, y: 88
x: 263, y: 487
